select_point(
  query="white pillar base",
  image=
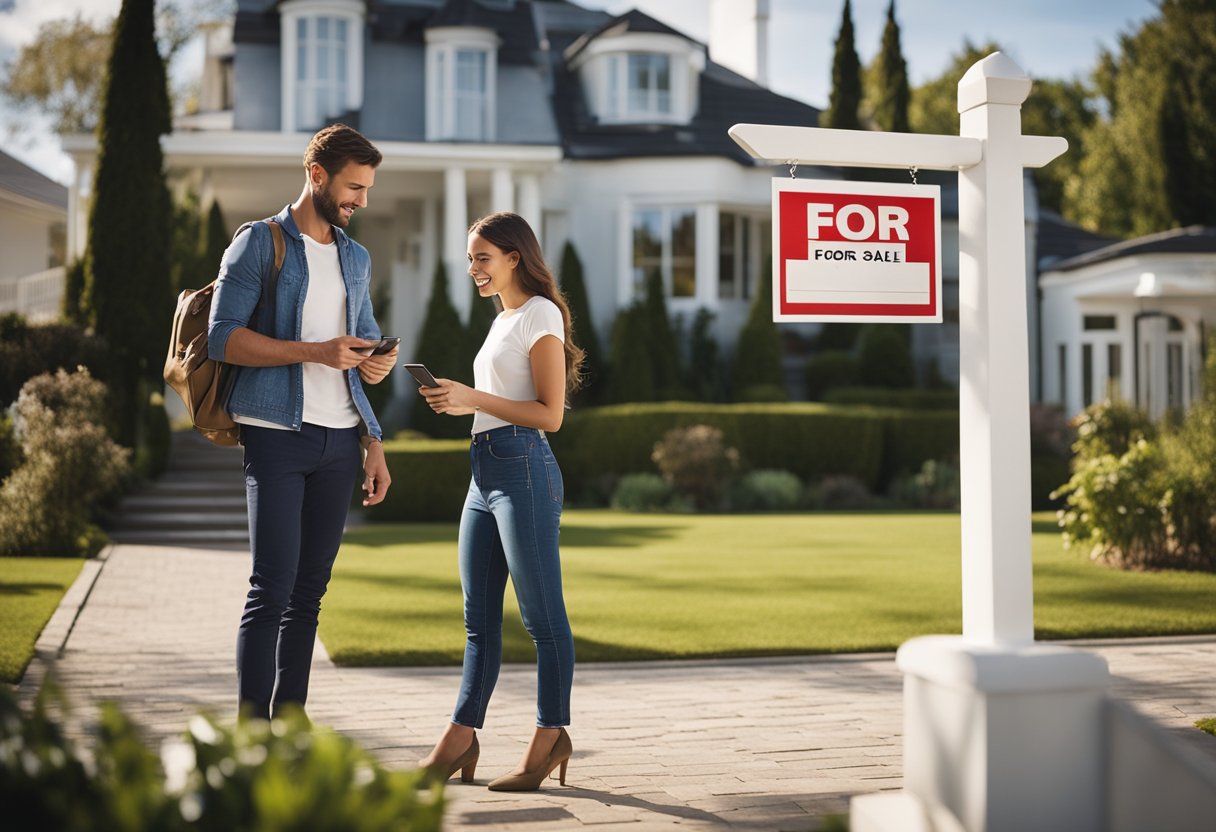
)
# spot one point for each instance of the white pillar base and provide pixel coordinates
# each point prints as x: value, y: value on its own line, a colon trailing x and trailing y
x: 1005, y: 737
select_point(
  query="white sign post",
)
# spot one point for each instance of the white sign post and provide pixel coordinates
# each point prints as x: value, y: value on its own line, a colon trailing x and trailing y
x: 1000, y: 733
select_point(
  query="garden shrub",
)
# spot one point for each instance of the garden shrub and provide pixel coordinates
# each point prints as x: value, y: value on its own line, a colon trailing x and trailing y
x: 767, y: 490
x: 809, y: 440
x: 910, y: 437
x: 909, y: 399
x: 840, y: 492
x: 698, y: 463
x: 430, y: 481
x: 10, y: 448
x: 28, y: 350
x: 1051, y: 439
x: 152, y: 456
x: 70, y: 464
x: 632, y: 376
x: 884, y: 357
x: 935, y: 486
x: 705, y: 374
x: 829, y: 370
x: 642, y: 492
x: 258, y: 776
x: 757, y: 358
x: 1110, y: 428
x: 756, y: 393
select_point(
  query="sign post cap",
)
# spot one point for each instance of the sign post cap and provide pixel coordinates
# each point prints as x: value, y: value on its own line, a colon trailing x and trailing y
x: 993, y: 80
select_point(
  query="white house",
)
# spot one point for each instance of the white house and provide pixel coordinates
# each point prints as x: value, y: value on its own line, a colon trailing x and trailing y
x: 1130, y: 320
x: 606, y: 131
x: 33, y: 213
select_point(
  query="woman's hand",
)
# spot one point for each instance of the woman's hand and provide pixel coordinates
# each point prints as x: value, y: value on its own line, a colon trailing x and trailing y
x: 450, y: 397
x: 376, y: 367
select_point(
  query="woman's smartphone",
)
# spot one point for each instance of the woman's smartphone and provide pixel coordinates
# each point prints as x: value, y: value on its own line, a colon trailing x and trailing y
x: 421, y: 374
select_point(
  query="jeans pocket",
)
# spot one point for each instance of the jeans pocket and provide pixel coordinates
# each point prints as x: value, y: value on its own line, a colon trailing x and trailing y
x: 509, y: 447
x: 557, y: 486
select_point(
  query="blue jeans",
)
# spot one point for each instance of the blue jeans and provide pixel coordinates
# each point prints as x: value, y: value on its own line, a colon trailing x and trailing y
x: 510, y: 527
x: 299, y: 487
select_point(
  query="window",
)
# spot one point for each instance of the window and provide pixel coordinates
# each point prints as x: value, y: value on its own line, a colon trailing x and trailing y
x: 321, y: 70
x: 1062, y: 370
x: 639, y: 86
x: 1091, y: 323
x: 744, y: 243
x: 461, y: 78
x: 665, y: 243
x: 1173, y: 375
x: 1087, y: 375
x: 1114, y: 372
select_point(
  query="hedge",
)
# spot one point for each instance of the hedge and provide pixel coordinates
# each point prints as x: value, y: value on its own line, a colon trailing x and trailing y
x: 430, y: 480
x: 889, y: 397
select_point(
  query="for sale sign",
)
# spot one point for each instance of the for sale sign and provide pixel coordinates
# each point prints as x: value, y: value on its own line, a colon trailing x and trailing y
x: 856, y: 251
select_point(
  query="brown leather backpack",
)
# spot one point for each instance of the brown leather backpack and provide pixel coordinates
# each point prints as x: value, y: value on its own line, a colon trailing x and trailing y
x: 201, y: 381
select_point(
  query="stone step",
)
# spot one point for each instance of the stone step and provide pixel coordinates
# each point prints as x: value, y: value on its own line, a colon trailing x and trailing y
x: 183, y: 520
x: 194, y: 488
x: 152, y: 501
x: 187, y: 537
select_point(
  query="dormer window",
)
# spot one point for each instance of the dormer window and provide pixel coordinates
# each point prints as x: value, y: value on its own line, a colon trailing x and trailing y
x: 461, y: 79
x: 639, y: 86
x: 640, y: 78
x: 322, y: 61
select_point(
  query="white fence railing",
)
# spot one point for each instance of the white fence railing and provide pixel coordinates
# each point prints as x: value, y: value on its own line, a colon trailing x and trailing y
x: 36, y: 296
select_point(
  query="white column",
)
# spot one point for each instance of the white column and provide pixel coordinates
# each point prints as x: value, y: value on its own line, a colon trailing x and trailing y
x: 707, y: 256
x: 455, y: 237
x: 994, y: 405
x: 79, y: 195
x: 502, y: 190
x: 529, y: 200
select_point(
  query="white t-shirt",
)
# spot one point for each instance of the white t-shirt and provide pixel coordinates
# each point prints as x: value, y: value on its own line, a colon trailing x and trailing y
x: 327, y: 398
x: 502, y: 366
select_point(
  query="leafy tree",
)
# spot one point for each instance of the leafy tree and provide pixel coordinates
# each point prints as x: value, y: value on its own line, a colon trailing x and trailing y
x: 757, y: 359
x: 934, y: 104
x: 573, y: 286
x: 1059, y: 108
x: 1149, y: 164
x: 57, y: 73
x: 887, y: 90
x: 845, y: 98
x: 441, y: 346
x: 127, y: 288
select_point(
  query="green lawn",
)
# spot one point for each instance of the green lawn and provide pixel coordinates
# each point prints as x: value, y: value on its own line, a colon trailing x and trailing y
x: 30, y: 589
x: 647, y: 586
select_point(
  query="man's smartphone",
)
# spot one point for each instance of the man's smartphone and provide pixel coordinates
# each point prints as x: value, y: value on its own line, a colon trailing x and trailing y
x: 421, y: 374
x: 386, y: 345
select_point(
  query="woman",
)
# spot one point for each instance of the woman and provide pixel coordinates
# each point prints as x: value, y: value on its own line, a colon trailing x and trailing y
x: 523, y: 374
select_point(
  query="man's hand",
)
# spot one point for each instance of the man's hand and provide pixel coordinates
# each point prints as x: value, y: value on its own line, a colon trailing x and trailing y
x: 376, y: 479
x: 340, y: 353
x: 376, y: 367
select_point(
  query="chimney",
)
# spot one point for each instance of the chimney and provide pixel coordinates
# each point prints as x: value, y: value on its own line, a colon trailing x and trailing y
x: 738, y: 37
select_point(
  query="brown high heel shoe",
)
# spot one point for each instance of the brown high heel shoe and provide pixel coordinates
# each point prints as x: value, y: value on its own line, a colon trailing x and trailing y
x: 466, y: 764
x: 531, y: 780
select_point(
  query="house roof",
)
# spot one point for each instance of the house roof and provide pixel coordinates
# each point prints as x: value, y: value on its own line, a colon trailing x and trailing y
x: 512, y: 21
x: 1194, y: 239
x: 1057, y: 240
x: 19, y: 178
x: 630, y: 21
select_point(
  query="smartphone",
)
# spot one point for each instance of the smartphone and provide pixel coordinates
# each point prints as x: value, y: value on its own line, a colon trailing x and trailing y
x: 386, y: 345
x: 421, y: 374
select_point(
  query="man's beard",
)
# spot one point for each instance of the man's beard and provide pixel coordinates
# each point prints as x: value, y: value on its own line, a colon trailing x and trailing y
x: 327, y: 207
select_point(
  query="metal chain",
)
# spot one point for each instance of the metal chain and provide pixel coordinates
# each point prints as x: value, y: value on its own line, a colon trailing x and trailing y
x: 912, y: 172
x: 793, y: 167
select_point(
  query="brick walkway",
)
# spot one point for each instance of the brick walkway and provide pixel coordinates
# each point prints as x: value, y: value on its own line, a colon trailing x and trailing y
x: 740, y: 744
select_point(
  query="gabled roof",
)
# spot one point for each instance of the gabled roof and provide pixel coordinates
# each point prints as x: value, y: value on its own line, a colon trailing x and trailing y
x: 513, y: 22
x: 1057, y: 240
x: 632, y: 21
x: 1194, y: 239
x: 19, y: 178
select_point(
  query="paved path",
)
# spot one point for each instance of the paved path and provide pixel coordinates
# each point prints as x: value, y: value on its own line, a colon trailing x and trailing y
x: 740, y: 744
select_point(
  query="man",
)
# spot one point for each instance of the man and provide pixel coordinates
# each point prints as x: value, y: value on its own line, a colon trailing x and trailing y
x: 303, y: 413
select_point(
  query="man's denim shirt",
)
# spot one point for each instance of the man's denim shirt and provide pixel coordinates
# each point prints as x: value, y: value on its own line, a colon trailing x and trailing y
x: 276, y: 394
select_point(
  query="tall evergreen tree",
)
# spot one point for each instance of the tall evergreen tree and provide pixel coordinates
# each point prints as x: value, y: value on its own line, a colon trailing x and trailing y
x: 661, y: 340
x: 632, y: 378
x: 757, y: 359
x: 575, y: 290
x: 889, y: 93
x: 127, y: 291
x: 214, y: 240
x: 845, y: 99
x: 441, y: 347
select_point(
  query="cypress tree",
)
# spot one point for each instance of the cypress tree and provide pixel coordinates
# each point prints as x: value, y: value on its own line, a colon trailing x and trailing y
x: 661, y: 339
x: 845, y: 98
x: 575, y: 290
x: 757, y: 358
x: 214, y: 240
x: 891, y: 90
x: 441, y: 347
x: 71, y: 305
x: 127, y: 293
x: 632, y: 378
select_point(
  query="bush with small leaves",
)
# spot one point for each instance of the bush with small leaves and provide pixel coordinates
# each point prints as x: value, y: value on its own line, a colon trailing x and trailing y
x: 697, y: 463
x: 70, y: 465
x: 936, y: 485
x: 642, y: 492
x: 842, y: 492
x: 766, y: 490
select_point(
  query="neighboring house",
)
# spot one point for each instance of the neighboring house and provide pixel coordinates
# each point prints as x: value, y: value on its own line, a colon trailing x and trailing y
x: 608, y: 131
x: 1130, y: 321
x: 33, y: 213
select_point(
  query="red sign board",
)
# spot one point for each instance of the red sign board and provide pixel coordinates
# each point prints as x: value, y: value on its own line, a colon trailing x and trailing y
x: 856, y: 251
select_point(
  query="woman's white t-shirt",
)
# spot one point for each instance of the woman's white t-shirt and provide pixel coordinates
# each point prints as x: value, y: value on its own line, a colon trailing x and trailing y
x: 502, y: 366
x: 327, y: 398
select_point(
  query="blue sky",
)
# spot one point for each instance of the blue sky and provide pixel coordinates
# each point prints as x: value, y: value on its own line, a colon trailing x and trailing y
x: 1047, y: 38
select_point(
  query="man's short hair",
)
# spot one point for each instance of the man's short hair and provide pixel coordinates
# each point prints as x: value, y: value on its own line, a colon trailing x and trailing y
x: 337, y: 144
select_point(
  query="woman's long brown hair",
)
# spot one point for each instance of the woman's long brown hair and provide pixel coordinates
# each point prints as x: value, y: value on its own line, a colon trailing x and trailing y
x: 511, y: 233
